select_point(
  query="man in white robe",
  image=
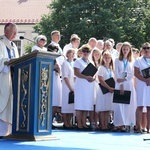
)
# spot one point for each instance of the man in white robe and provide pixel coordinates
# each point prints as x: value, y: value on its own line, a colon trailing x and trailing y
x: 56, y: 37
x: 8, y: 51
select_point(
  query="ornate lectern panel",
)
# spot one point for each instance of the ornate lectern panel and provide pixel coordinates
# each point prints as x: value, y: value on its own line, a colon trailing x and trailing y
x: 23, y: 104
x: 44, y: 97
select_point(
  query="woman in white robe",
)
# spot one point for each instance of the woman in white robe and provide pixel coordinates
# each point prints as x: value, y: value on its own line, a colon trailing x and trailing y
x: 84, y: 88
x: 104, y: 101
x: 8, y: 50
x: 68, y: 79
x: 143, y: 86
x: 40, y: 41
x: 57, y: 86
x: 124, y: 114
x: 96, y: 55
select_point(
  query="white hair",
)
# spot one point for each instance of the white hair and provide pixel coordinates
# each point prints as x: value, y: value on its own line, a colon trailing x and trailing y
x: 41, y: 37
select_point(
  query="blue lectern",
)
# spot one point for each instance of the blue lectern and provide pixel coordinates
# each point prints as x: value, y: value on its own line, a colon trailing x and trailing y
x: 32, y: 90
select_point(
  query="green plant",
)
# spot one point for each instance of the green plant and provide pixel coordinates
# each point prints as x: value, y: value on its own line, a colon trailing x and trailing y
x: 28, y: 48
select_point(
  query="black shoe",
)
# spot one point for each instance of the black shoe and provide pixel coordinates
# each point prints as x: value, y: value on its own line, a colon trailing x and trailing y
x: 144, y: 130
x: 87, y: 128
x: 105, y: 130
x: 77, y: 128
x: 67, y: 128
x: 110, y: 126
x: 123, y: 130
x: 54, y: 127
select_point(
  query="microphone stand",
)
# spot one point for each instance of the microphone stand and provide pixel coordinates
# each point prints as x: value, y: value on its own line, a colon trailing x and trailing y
x: 29, y: 40
x: 22, y: 38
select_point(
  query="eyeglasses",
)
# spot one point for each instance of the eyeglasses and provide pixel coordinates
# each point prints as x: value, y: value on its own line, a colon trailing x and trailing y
x: 86, y: 51
x: 146, y: 48
x: 135, y: 52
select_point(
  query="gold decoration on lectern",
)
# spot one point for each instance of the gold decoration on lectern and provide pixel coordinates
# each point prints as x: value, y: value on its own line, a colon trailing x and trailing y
x: 44, y: 94
x: 24, y: 79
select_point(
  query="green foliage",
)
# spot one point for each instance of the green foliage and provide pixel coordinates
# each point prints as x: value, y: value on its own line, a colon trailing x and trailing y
x: 122, y: 20
x: 28, y: 48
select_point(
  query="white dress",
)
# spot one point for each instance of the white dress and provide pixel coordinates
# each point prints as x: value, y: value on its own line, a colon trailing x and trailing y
x: 96, y: 87
x: 142, y: 90
x: 67, y: 72
x: 84, y: 90
x: 57, y: 90
x: 35, y: 47
x: 124, y: 114
x: 104, y: 101
x: 6, y: 97
x: 57, y: 84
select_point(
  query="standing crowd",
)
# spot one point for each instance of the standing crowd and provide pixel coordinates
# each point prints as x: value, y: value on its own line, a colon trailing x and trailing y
x: 124, y: 64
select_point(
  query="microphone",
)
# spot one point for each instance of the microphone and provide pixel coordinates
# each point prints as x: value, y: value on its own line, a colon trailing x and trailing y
x: 22, y: 38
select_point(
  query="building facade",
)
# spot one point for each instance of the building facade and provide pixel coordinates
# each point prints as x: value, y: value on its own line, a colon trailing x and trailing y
x: 25, y: 13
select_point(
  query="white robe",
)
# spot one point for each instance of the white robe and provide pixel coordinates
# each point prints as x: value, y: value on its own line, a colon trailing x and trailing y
x: 57, y: 84
x: 35, y: 47
x: 104, y: 101
x: 84, y: 90
x: 124, y: 114
x: 6, y: 97
x: 67, y: 72
x: 142, y: 90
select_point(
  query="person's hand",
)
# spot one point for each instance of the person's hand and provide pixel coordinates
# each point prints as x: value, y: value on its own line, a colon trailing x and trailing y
x: 9, y: 61
x: 148, y: 81
x: 111, y: 90
x: 72, y: 90
x: 6, y: 63
x: 119, y: 80
x: 56, y: 68
x: 89, y: 78
x: 121, y: 89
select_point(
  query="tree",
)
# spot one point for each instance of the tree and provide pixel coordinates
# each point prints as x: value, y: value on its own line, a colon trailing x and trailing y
x: 28, y: 48
x: 121, y: 20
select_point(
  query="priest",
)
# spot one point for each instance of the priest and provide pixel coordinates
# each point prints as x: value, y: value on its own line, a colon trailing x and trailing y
x: 8, y: 51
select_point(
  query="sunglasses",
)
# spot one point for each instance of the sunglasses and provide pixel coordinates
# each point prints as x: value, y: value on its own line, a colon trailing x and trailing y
x: 42, y: 39
x: 86, y: 51
x: 146, y: 48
